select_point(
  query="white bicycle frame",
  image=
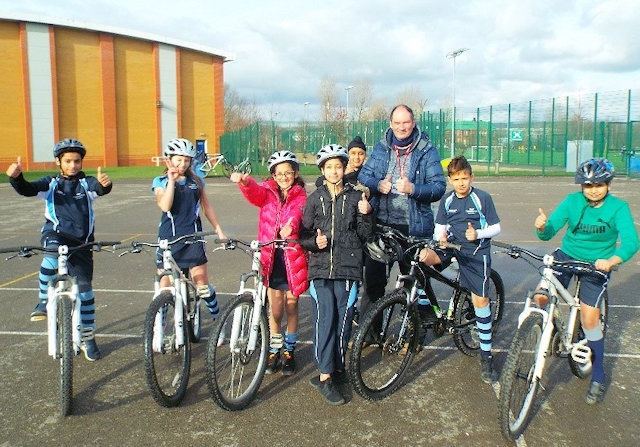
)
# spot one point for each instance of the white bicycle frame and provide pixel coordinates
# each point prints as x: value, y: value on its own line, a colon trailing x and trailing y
x: 580, y: 352
x: 259, y: 300
x: 208, y: 167
x: 62, y: 286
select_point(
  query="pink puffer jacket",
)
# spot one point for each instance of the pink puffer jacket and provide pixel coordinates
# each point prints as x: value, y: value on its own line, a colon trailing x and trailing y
x: 273, y: 216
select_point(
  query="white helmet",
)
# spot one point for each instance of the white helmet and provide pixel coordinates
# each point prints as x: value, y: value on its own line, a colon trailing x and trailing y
x: 331, y: 151
x: 180, y: 146
x: 282, y: 157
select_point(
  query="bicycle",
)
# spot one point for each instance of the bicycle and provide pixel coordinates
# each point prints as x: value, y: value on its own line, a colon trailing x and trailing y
x: 237, y: 359
x: 543, y: 332
x: 228, y: 168
x: 64, y: 324
x: 166, y: 338
x: 389, y: 333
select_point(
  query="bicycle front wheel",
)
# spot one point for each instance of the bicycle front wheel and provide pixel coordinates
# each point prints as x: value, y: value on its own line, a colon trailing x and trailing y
x: 518, y: 386
x: 465, y: 335
x: 166, y: 366
x: 234, y: 370
x: 583, y: 370
x: 383, y: 346
x: 194, y: 320
x: 66, y: 353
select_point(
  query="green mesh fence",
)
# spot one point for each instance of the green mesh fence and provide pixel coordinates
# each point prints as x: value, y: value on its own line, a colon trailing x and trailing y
x: 540, y: 137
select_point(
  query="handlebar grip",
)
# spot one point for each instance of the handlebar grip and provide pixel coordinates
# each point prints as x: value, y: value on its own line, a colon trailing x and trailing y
x: 11, y: 249
x: 454, y: 246
x: 501, y: 244
x: 108, y: 243
x: 121, y: 246
x: 204, y: 233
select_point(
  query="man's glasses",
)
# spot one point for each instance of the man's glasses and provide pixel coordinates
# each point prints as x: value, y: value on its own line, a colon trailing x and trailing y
x: 284, y: 174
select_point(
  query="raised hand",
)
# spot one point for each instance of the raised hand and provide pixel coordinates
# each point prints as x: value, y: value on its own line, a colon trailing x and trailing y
x: 286, y: 231
x: 403, y: 185
x: 172, y: 171
x: 15, y: 169
x: 321, y: 240
x: 471, y: 234
x: 103, y: 179
x: 239, y: 177
x: 541, y: 220
x: 385, y: 185
x: 364, y: 207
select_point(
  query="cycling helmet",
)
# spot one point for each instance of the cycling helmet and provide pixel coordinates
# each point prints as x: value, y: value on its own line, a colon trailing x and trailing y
x: 594, y: 170
x: 379, y: 250
x: 69, y: 145
x: 180, y: 146
x: 331, y: 151
x: 282, y: 157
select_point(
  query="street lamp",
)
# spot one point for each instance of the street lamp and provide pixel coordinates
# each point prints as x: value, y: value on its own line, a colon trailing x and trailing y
x: 347, y: 88
x: 453, y: 56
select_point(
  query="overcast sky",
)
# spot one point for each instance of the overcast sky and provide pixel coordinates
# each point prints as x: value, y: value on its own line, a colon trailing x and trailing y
x: 519, y: 50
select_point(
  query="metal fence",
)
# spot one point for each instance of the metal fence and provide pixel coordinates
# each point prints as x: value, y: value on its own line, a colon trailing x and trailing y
x: 538, y: 137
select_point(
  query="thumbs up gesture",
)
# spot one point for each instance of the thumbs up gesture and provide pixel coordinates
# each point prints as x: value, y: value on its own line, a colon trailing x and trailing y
x: 385, y: 185
x: 403, y: 185
x: 471, y: 234
x: 364, y: 207
x: 321, y: 240
x: 541, y: 220
x: 103, y: 178
x: 15, y: 169
x: 286, y: 231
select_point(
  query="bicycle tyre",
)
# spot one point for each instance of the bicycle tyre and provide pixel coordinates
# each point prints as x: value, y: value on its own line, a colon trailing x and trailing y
x: 465, y: 336
x: 582, y: 371
x: 227, y: 168
x: 166, y: 368
x: 194, y: 324
x: 234, y: 375
x: 518, y: 387
x: 379, y: 359
x: 66, y: 353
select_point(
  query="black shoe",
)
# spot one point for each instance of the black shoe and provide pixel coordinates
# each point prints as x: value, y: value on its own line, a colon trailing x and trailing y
x: 488, y: 374
x: 427, y: 315
x: 39, y: 312
x: 340, y: 377
x: 329, y: 392
x: 595, y: 393
x: 273, y: 364
x: 289, y: 364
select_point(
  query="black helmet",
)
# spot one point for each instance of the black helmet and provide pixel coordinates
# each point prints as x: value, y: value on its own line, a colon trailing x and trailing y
x: 69, y: 145
x: 594, y: 170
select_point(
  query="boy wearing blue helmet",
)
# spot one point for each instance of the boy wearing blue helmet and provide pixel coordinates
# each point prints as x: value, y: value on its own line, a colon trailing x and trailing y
x: 595, y: 221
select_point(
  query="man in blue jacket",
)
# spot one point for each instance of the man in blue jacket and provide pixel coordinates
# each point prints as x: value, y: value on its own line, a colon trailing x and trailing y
x: 405, y: 177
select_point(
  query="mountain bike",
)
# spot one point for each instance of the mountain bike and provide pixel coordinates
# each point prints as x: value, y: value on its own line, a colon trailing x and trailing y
x: 238, y: 347
x: 210, y: 164
x: 542, y: 333
x: 391, y: 330
x: 64, y: 323
x: 171, y: 324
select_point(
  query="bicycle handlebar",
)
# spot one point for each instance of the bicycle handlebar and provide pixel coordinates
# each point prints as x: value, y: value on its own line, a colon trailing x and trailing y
x: 134, y: 246
x: 232, y: 244
x: 27, y: 250
x: 415, y: 240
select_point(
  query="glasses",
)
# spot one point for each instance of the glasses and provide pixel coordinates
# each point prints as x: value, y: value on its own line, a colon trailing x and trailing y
x: 284, y: 174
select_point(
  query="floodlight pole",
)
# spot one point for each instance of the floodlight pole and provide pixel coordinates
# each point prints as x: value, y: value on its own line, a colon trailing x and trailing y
x: 453, y: 56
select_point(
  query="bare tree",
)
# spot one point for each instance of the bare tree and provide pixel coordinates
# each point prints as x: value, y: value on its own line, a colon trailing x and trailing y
x: 379, y: 110
x: 362, y: 97
x: 238, y: 112
x: 414, y: 98
x: 328, y: 95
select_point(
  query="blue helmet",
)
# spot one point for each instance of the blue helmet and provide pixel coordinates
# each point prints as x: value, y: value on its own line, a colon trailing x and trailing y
x: 594, y: 170
x: 69, y: 145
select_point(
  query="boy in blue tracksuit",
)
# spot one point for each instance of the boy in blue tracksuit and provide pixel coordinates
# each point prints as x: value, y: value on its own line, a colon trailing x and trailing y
x: 336, y: 221
x: 69, y: 220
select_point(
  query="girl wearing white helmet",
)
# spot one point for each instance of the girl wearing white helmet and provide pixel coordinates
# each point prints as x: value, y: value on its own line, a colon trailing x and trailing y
x: 281, y: 198
x: 181, y: 196
x: 337, y: 221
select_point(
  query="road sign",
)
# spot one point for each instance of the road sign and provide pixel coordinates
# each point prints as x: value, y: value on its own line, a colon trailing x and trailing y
x: 516, y: 135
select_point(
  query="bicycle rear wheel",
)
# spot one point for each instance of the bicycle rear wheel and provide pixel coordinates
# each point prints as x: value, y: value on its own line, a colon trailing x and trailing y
x: 66, y: 353
x: 383, y: 346
x: 583, y: 370
x: 166, y: 366
x: 227, y: 168
x: 233, y: 371
x: 465, y: 335
x: 518, y: 386
x: 194, y: 321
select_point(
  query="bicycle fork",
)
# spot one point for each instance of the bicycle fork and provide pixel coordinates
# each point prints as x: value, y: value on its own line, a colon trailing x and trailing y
x: 55, y: 293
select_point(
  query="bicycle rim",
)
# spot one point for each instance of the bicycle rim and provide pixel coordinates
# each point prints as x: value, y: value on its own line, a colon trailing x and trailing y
x: 583, y: 370
x: 233, y: 372
x: 166, y: 366
x: 518, y: 386
x: 383, y: 346
x: 194, y: 324
x: 465, y: 335
x: 66, y: 353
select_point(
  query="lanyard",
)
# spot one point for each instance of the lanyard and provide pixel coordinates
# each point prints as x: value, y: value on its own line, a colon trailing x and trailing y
x: 404, y: 157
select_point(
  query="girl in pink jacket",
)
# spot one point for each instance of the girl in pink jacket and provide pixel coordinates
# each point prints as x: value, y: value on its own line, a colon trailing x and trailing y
x: 281, y: 199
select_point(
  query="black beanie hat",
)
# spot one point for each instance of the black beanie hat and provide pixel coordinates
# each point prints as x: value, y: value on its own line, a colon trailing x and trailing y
x: 357, y: 142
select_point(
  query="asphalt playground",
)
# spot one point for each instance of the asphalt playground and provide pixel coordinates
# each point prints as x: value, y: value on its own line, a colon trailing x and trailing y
x: 443, y: 401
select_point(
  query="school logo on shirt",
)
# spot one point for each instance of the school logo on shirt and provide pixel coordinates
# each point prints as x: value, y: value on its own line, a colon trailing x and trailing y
x: 471, y: 211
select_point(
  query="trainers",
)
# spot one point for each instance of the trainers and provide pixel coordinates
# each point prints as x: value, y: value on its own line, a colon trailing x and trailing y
x: 39, y: 312
x: 595, y: 393
x: 488, y: 374
x: 90, y: 349
x: 273, y: 364
x: 329, y: 392
x: 340, y: 377
x: 427, y: 315
x: 289, y: 364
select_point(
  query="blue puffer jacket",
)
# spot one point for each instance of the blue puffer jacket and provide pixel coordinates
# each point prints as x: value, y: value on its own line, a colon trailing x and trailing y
x: 425, y: 174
